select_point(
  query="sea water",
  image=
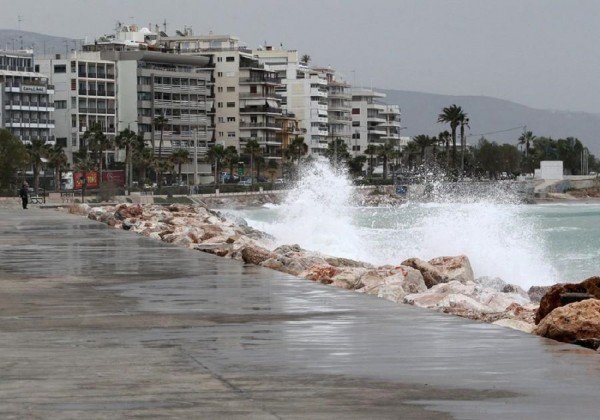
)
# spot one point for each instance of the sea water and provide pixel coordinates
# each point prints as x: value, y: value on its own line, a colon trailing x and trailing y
x: 519, y: 243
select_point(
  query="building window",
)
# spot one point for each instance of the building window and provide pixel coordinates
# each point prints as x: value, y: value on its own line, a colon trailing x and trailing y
x: 61, y: 141
x: 60, y: 104
x: 219, y: 59
x: 220, y: 89
x: 60, y: 68
x: 356, y: 111
x: 73, y: 84
x: 230, y: 104
x: 230, y: 59
x: 219, y: 74
x: 355, y: 123
x: 231, y: 134
x: 221, y: 119
x: 220, y: 134
x: 74, y: 140
x: 230, y: 119
x: 73, y: 102
x: 219, y: 104
x: 231, y: 89
x: 356, y: 148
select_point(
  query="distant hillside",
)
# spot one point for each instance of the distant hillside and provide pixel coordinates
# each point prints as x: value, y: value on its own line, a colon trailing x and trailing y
x: 420, y: 111
x: 13, y: 39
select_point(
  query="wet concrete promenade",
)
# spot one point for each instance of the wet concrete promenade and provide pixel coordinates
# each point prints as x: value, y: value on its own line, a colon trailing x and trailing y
x: 99, y: 323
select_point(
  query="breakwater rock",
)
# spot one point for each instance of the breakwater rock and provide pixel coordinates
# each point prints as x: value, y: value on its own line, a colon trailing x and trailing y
x: 445, y: 284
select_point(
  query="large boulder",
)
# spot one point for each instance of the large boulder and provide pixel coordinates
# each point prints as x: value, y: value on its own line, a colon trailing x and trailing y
x: 577, y: 323
x: 255, y: 254
x: 431, y: 274
x: 406, y: 281
x: 442, y: 269
x: 552, y: 298
x: 454, y: 268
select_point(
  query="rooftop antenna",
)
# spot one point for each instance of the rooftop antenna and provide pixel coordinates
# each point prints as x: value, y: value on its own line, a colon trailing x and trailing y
x: 165, y: 26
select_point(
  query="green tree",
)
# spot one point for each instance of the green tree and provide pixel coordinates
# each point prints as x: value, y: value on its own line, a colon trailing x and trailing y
x: 423, y: 142
x: 452, y: 115
x: 37, y: 151
x: 305, y: 59
x: 13, y: 157
x: 356, y: 164
x: 296, y: 150
x: 215, y: 155
x: 179, y: 157
x: 231, y: 157
x: 464, y: 122
x: 97, y: 142
x: 57, y: 159
x: 337, y: 152
x: 272, y: 168
x: 370, y: 151
x: 143, y: 159
x: 84, y: 165
x: 127, y: 139
x: 386, y: 151
x: 444, y: 138
x: 252, y: 149
x: 160, y: 122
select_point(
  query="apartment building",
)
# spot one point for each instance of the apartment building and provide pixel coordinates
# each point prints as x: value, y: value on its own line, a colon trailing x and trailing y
x: 245, y: 92
x: 26, y: 98
x: 373, y: 121
x: 339, y: 119
x: 85, y: 94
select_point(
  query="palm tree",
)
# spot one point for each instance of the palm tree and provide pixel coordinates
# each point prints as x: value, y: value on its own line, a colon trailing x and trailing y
x: 370, y: 151
x: 143, y: 158
x: 305, y: 59
x: 444, y: 138
x: 231, y: 157
x: 464, y: 122
x: 84, y: 165
x: 159, y: 122
x: 296, y: 149
x: 526, y: 139
x: 37, y: 151
x: 97, y: 142
x: 423, y: 142
x: 253, y: 149
x: 128, y: 140
x: 411, y: 149
x: 272, y: 168
x: 453, y: 116
x: 386, y: 151
x: 179, y: 157
x: 215, y: 154
x: 58, y: 160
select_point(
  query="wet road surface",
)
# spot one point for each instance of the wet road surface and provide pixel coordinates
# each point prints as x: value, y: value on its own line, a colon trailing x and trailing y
x: 99, y: 323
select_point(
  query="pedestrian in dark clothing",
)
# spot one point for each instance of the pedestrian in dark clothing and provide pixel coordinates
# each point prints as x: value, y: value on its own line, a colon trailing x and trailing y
x: 24, y: 194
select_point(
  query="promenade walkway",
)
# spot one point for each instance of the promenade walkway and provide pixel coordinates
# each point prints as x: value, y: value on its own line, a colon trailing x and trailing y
x: 99, y: 323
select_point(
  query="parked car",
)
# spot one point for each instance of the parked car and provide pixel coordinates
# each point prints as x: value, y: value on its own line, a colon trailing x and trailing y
x: 246, y: 182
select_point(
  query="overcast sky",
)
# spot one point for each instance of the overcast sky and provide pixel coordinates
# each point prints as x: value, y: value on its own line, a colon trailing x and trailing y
x: 540, y: 53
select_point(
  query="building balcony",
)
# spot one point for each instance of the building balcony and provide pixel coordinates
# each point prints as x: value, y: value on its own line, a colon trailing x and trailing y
x: 260, y: 80
x: 377, y: 120
x: 258, y: 95
x: 260, y: 125
x: 260, y: 110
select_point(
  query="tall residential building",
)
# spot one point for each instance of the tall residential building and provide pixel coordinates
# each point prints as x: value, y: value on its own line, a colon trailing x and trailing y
x: 373, y: 122
x: 85, y: 95
x: 246, y: 101
x: 26, y: 98
x: 315, y: 96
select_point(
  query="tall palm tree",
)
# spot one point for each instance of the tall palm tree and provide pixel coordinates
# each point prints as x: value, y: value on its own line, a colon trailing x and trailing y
x: 452, y: 115
x: 215, y: 154
x: 179, y: 157
x: 423, y: 142
x: 127, y: 139
x: 37, y: 151
x: 305, y: 59
x: 464, y: 122
x: 296, y: 149
x: 371, y: 150
x: 386, y: 151
x: 143, y: 158
x: 526, y: 139
x: 97, y: 142
x: 253, y: 149
x: 272, y: 168
x: 58, y: 160
x: 160, y: 122
x: 231, y: 157
x: 444, y: 137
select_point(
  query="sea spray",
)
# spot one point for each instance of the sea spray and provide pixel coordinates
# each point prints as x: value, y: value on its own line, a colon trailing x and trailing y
x: 483, y: 222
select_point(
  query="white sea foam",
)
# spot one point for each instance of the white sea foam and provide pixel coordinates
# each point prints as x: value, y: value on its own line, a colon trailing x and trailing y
x: 498, y: 239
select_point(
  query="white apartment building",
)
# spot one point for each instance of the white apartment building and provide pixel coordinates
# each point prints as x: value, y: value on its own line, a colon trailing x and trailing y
x: 26, y: 98
x: 373, y: 122
x: 318, y: 100
x: 246, y: 102
x: 85, y: 94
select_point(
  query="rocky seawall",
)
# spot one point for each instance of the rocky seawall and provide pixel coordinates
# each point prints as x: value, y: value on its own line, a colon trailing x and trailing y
x: 568, y: 313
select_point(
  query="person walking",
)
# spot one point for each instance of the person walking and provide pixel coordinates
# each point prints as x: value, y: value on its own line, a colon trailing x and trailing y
x: 24, y: 194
